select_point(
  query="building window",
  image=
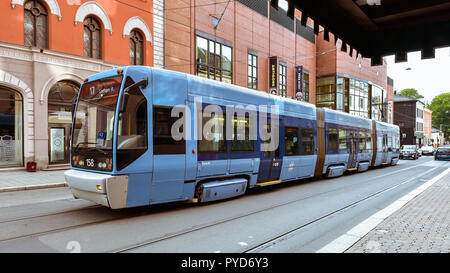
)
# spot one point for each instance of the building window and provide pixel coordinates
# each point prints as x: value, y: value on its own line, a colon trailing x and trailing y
x: 35, y: 24
x: 326, y: 92
x: 11, y: 141
x: 92, y: 38
x: 378, y: 103
x: 213, y: 60
x: 359, y: 98
x: 306, y: 86
x: 340, y: 88
x: 252, y: 71
x: 136, y: 48
x: 283, y: 77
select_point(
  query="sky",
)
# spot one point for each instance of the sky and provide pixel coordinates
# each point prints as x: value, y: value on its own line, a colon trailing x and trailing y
x: 430, y: 77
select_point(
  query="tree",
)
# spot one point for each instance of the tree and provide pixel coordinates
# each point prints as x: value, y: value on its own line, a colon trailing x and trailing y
x: 440, y: 105
x: 411, y: 93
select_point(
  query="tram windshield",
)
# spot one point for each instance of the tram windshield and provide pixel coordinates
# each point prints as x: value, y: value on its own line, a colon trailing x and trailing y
x: 94, y: 121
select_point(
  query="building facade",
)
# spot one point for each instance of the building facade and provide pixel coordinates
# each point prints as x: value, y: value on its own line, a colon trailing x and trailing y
x: 409, y: 116
x: 244, y: 42
x: 251, y: 44
x: 347, y: 82
x: 427, y: 126
x: 47, y: 48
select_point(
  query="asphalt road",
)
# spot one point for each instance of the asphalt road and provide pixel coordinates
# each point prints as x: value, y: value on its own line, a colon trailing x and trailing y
x: 300, y: 216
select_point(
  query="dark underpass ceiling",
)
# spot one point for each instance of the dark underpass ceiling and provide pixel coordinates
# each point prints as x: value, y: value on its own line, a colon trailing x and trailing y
x: 377, y: 28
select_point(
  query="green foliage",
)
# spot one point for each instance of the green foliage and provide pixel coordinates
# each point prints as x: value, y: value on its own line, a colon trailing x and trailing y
x: 440, y: 105
x: 411, y: 93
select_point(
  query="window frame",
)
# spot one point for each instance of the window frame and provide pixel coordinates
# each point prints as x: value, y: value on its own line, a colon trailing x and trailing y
x: 282, y: 84
x: 217, y: 64
x: 36, y: 42
x: 135, y: 41
x: 252, y: 66
x: 91, y: 38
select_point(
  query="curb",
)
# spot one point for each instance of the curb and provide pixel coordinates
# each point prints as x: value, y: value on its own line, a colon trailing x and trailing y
x: 33, y: 187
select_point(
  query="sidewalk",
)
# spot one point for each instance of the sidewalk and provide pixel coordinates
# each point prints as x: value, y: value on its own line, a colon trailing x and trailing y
x: 421, y: 226
x: 23, y: 180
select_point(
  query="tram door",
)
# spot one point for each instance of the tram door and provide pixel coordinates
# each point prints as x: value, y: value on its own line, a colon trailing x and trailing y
x: 353, y: 151
x: 271, y: 161
x: 385, y: 149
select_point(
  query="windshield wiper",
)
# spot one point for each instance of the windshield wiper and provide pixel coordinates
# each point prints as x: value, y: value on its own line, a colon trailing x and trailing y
x: 98, y: 149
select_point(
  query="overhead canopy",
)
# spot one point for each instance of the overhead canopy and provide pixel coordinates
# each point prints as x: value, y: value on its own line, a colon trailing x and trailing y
x: 377, y: 28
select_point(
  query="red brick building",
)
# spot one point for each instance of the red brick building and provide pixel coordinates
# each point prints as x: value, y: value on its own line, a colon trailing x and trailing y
x: 47, y: 48
x: 248, y: 33
x: 251, y: 44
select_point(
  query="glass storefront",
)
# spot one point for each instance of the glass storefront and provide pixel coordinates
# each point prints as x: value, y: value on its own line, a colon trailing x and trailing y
x: 326, y: 92
x: 353, y: 96
x: 379, y: 104
x: 60, y: 102
x: 11, y: 128
x: 359, y: 98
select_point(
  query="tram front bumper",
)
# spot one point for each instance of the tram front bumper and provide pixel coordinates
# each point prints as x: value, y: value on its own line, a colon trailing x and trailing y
x: 107, y: 190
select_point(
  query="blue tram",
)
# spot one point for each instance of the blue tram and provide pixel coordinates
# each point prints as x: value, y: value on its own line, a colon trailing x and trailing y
x: 144, y: 136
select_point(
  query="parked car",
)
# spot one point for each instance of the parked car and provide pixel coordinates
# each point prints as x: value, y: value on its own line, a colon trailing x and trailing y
x: 442, y: 153
x: 427, y: 150
x: 419, y: 150
x: 409, y: 151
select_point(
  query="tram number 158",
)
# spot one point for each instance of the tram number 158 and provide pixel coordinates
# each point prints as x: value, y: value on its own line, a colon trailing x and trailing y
x: 90, y: 162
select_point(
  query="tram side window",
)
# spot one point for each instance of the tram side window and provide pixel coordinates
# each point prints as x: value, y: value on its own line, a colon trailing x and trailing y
x: 389, y: 139
x: 291, y: 141
x: 379, y: 143
x: 368, y: 141
x: 342, y: 139
x: 213, y: 138
x: 307, y: 135
x: 333, y: 139
x: 163, y: 142
x: 362, y: 141
x: 241, y: 138
x: 132, y: 136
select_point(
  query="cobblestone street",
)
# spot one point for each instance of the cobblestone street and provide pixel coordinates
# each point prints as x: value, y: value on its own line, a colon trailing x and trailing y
x: 422, y: 225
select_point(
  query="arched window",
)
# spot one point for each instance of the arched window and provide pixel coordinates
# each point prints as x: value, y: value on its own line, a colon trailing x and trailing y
x: 136, y: 48
x: 92, y: 38
x: 11, y: 139
x: 35, y: 24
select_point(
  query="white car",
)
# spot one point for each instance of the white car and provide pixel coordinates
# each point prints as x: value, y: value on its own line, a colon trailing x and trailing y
x: 427, y: 150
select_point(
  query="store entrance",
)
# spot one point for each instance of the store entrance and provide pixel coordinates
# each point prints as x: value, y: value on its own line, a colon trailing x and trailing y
x: 60, y: 103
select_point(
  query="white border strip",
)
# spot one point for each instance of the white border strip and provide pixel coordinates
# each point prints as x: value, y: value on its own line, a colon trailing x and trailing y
x: 352, y: 236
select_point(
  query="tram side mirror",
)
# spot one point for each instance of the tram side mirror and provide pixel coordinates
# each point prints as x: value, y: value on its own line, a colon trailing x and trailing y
x: 126, y: 93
